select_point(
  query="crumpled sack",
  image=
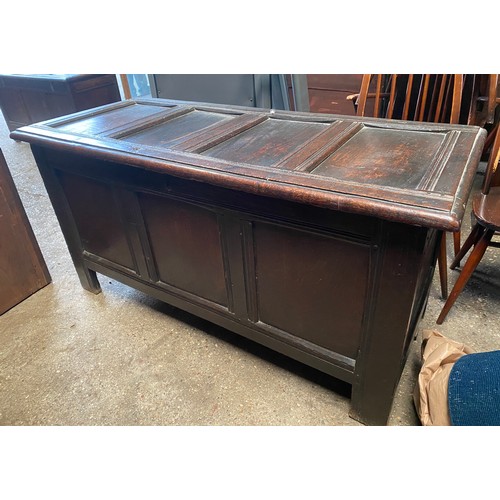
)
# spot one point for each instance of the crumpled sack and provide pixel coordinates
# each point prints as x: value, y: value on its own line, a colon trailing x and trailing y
x: 430, y: 397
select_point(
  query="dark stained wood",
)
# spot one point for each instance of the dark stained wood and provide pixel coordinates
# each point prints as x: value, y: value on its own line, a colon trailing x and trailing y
x: 281, y: 137
x: 475, y: 257
x: 486, y: 210
x: 214, y: 136
x: 334, y: 82
x: 145, y: 122
x: 330, y: 93
x: 315, y: 235
x: 493, y: 97
x: 474, y: 236
x: 442, y: 265
x: 487, y: 207
x: 299, y: 277
x: 176, y: 230
x: 22, y: 268
x: 440, y: 205
x: 26, y: 99
x: 451, y: 100
x: 99, y: 219
x: 392, y: 284
x: 396, y: 165
x: 107, y: 122
x: 309, y: 156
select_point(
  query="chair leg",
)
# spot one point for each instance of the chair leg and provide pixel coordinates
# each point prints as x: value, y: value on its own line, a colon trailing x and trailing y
x: 456, y: 242
x: 469, y: 267
x: 472, y: 239
x: 443, y: 267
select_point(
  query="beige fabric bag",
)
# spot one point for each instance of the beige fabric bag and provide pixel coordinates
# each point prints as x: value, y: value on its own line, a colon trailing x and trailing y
x: 439, y: 354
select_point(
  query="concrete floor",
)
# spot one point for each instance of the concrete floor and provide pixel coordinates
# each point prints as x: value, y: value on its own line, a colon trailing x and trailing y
x: 68, y: 357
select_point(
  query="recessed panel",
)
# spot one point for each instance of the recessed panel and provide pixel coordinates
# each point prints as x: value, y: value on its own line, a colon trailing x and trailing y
x: 98, y: 219
x: 102, y: 122
x: 267, y: 143
x: 384, y: 157
x: 13, y: 107
x: 172, y: 131
x: 186, y: 246
x: 311, y: 285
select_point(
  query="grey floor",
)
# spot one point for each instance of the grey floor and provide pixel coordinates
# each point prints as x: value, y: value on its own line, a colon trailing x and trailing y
x: 68, y: 357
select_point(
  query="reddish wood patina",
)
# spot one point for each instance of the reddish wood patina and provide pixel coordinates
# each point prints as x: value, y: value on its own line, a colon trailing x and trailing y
x: 313, y: 234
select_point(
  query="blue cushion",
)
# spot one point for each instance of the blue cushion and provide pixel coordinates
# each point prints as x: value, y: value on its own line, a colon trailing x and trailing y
x: 474, y: 389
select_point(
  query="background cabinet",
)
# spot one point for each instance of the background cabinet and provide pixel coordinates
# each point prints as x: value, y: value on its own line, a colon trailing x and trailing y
x: 27, y: 99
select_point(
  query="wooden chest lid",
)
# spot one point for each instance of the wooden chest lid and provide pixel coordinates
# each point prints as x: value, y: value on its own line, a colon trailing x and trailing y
x: 416, y: 173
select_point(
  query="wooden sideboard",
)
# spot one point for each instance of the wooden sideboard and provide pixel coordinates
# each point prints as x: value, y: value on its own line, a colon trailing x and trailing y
x: 313, y: 234
x: 26, y: 99
x: 328, y: 93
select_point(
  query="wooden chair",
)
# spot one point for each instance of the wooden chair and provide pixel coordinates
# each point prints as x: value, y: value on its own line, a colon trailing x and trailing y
x: 486, y: 100
x: 429, y: 98
x: 486, y: 211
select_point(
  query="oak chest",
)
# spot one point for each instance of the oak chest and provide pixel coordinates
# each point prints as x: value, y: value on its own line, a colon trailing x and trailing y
x: 313, y: 234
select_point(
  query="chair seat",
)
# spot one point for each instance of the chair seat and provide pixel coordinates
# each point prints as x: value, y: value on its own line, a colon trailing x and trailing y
x: 486, y: 209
